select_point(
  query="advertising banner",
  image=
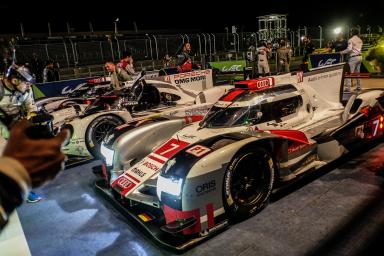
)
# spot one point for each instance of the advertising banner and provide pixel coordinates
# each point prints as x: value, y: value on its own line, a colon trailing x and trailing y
x: 57, y: 88
x: 228, y: 66
x: 197, y: 80
x: 320, y: 60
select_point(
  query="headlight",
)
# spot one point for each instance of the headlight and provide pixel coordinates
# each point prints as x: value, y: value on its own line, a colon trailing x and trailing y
x: 107, y: 154
x: 169, y: 185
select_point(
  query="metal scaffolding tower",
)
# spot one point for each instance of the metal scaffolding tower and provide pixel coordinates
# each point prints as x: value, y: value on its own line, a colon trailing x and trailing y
x: 272, y: 26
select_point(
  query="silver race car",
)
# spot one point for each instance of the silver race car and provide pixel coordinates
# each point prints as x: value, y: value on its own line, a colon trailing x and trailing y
x: 258, y: 136
x: 174, y: 96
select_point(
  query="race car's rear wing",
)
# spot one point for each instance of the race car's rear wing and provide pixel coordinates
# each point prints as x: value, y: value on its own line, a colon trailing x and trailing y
x: 197, y: 80
x: 327, y: 83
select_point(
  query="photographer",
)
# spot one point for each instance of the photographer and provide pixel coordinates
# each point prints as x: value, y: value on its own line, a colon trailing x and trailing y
x: 17, y: 100
x: 26, y: 162
x: 16, y: 92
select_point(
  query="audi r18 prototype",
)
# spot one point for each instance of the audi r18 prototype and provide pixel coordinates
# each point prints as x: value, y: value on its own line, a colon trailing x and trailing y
x: 258, y: 136
x: 90, y: 123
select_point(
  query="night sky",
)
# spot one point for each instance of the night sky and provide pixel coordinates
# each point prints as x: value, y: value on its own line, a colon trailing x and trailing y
x: 212, y: 17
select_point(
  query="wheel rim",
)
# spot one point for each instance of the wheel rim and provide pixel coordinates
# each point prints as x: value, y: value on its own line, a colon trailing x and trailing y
x: 249, y: 179
x: 101, y: 130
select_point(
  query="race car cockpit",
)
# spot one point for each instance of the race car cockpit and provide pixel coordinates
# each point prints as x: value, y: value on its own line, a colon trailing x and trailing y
x: 249, y: 107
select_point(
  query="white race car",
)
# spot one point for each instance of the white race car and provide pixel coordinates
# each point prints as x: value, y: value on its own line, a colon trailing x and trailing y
x: 258, y: 136
x: 176, y: 96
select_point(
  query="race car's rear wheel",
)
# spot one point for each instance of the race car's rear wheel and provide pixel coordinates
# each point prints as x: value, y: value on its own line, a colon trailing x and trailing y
x: 97, y: 130
x: 248, y: 183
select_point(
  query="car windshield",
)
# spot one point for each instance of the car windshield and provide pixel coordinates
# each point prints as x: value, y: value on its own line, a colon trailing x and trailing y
x: 247, y: 107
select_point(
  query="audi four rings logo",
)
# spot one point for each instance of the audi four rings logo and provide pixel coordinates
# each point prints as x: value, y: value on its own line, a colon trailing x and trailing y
x: 264, y: 83
x: 124, y: 182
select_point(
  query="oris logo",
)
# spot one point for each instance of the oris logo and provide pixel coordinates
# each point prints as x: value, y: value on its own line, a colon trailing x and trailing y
x: 205, y: 188
x: 327, y: 62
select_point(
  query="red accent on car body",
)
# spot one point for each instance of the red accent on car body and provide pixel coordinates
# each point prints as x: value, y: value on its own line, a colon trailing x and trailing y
x: 294, y: 135
x: 173, y: 215
x: 210, y: 215
x: 230, y: 96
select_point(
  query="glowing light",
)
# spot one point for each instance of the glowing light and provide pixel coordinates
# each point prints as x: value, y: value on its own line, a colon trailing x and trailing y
x: 337, y: 30
x: 170, y: 185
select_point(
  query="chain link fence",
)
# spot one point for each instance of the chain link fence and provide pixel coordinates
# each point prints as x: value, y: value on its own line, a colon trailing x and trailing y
x: 74, y: 54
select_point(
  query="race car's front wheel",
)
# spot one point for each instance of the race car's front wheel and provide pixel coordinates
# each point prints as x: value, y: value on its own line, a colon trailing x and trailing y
x: 248, y: 183
x: 97, y: 130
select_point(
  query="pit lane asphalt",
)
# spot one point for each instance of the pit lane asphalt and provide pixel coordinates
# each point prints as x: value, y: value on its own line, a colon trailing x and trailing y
x: 338, y: 210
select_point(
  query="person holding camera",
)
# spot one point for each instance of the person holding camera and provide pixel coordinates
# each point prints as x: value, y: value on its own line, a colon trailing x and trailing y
x: 17, y: 100
x: 26, y: 162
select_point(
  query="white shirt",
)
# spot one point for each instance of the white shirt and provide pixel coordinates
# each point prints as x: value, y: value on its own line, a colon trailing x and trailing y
x: 354, y: 46
x: 12, y: 102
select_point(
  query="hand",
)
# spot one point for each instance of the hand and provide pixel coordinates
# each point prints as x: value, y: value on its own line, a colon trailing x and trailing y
x: 42, y: 158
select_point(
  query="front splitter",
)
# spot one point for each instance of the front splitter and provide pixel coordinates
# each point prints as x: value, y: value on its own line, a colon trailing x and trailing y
x: 152, y: 228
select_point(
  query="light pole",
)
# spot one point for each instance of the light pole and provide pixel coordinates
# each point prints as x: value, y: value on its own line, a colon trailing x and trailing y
x: 226, y: 29
x: 117, y: 19
x: 205, y: 44
x: 321, y: 35
x: 157, y: 50
x: 150, y: 45
x: 199, y: 39
x: 214, y: 43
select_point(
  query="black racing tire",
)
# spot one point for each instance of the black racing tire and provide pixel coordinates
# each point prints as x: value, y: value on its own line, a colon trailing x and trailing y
x: 97, y: 130
x: 248, y: 183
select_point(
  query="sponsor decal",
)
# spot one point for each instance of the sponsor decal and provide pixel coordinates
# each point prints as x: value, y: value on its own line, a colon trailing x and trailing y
x: 233, y: 68
x: 138, y: 172
x: 198, y: 150
x: 263, y: 83
x: 125, y: 183
x: 188, y: 136
x: 205, y: 187
x: 68, y: 89
x: 189, y: 79
x: 171, y: 147
x: 327, y: 62
x: 258, y: 84
x: 295, y: 147
x: 146, y: 216
x: 194, y: 76
x: 196, y: 73
x: 151, y: 166
x: 196, y: 111
x: 227, y: 182
x: 324, y: 76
